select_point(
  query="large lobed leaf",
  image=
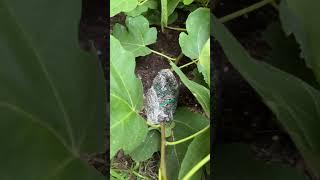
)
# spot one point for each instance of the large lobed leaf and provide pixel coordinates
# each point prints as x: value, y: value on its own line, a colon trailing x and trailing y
x: 198, y: 28
x: 298, y: 17
x: 295, y: 103
x: 138, y: 35
x: 127, y: 128
x: 117, y: 6
x: 150, y: 145
x: 186, y: 123
x: 52, y: 95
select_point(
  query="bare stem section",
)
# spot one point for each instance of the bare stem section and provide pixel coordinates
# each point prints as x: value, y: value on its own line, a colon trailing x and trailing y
x: 163, y: 153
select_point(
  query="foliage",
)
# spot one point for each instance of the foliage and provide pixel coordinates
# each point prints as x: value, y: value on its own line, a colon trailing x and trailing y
x: 52, y: 100
x: 198, y: 33
x: 290, y: 91
x: 238, y: 158
x: 127, y: 127
x: 129, y: 131
x: 137, y: 37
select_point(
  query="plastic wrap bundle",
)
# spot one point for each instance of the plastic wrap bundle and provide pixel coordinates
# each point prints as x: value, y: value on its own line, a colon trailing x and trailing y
x: 162, y: 97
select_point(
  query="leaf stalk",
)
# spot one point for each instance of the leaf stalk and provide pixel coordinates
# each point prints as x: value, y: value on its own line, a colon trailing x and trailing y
x: 245, y: 10
x: 168, y: 143
x: 196, y: 167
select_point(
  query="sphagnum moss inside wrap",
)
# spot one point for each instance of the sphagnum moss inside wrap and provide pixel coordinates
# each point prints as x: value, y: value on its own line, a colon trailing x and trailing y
x: 162, y: 97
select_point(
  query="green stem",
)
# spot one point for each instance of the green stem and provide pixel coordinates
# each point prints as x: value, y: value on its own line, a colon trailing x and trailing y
x: 196, y: 167
x: 159, y: 174
x: 176, y: 28
x: 139, y: 175
x: 178, y: 58
x: 274, y: 4
x: 142, y: 2
x: 188, y: 64
x: 163, y: 152
x: 163, y: 55
x: 153, y: 126
x: 131, y: 171
x: 244, y: 11
x: 188, y: 138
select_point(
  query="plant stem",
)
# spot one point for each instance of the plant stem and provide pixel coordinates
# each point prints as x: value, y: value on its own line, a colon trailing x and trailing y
x: 142, y: 2
x: 178, y: 58
x: 185, y: 65
x: 196, y: 167
x: 274, y: 4
x: 139, y: 175
x: 176, y: 28
x: 163, y: 152
x: 244, y: 11
x: 159, y: 174
x: 163, y: 55
x: 153, y: 126
x: 188, y: 138
x: 131, y: 171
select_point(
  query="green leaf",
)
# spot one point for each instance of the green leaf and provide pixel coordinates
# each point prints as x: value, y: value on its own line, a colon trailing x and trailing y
x: 197, y: 150
x: 168, y: 128
x: 298, y: 17
x: 138, y: 35
x: 285, y: 54
x: 187, y: 2
x: 149, y: 146
x: 235, y: 162
x: 186, y: 124
x: 164, y: 14
x: 201, y: 93
x: 154, y: 17
x: 52, y: 95
x: 149, y: 4
x: 198, y: 77
x: 172, y: 4
x: 117, y: 6
x: 295, y: 103
x: 127, y: 128
x: 204, y: 62
x: 198, y: 29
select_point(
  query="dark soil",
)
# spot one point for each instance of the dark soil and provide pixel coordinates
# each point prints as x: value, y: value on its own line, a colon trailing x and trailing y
x: 243, y: 116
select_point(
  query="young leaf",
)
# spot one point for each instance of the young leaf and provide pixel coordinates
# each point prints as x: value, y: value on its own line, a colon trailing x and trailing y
x: 127, y: 128
x: 201, y: 93
x: 198, y: 28
x: 204, y: 62
x: 52, y: 95
x: 117, y: 6
x: 197, y: 150
x: 295, y: 103
x: 298, y: 17
x: 149, y: 146
x: 138, y: 35
x: 235, y: 162
x: 186, y: 124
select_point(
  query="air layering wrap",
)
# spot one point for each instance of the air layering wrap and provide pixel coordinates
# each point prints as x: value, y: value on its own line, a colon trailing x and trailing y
x: 162, y: 97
